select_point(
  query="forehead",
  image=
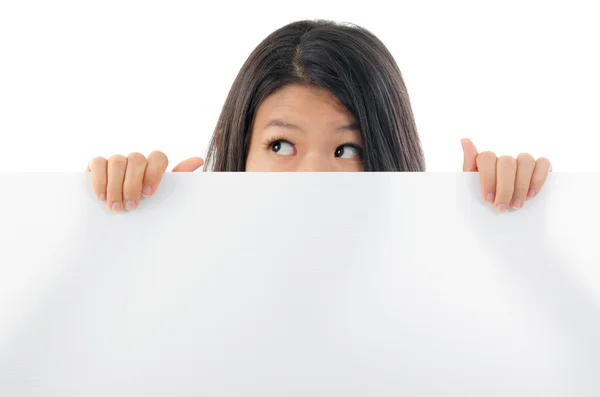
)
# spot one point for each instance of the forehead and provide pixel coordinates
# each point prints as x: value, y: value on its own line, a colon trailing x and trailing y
x: 296, y: 100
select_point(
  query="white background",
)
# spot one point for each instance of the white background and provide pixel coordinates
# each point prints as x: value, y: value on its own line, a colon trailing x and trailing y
x: 82, y: 79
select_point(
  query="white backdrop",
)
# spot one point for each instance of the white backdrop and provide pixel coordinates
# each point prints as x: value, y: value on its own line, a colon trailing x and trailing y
x: 314, y: 285
x: 82, y: 79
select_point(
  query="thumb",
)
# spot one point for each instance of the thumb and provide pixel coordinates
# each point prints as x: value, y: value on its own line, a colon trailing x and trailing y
x: 189, y: 165
x: 470, y: 152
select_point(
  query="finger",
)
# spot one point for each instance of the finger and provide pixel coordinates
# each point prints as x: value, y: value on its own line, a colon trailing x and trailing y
x: 486, y: 165
x: 525, y: 167
x: 470, y: 155
x: 506, y: 172
x: 134, y: 176
x: 189, y: 165
x: 98, y: 169
x: 540, y: 174
x: 155, y: 169
x: 116, y: 175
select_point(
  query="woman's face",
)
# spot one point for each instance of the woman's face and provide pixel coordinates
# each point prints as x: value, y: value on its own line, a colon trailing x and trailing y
x: 300, y: 128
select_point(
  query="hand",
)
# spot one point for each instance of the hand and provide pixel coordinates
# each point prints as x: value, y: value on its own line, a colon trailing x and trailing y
x: 122, y: 181
x: 506, y: 181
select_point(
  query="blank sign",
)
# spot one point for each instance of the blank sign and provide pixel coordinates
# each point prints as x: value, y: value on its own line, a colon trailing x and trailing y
x: 363, y: 284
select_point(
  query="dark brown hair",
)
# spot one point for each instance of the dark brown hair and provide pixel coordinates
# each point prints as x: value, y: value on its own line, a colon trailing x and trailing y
x: 345, y: 59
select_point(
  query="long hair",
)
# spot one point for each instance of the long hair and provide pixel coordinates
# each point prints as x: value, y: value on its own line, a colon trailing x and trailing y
x: 350, y: 62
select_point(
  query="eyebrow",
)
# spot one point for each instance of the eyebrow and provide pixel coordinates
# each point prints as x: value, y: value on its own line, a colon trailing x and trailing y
x: 353, y: 126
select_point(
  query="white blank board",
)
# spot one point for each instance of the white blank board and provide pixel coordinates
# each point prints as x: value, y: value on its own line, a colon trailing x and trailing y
x: 239, y: 284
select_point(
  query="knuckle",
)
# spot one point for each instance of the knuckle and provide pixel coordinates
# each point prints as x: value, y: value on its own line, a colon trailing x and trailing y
x: 487, y: 155
x: 486, y: 160
x: 97, y: 162
x: 117, y: 159
x: 525, y: 157
x: 543, y: 161
x: 157, y: 155
x: 506, y: 161
x: 136, y: 158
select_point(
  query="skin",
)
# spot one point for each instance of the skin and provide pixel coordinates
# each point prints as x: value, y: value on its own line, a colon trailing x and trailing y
x: 308, y: 126
x: 305, y: 129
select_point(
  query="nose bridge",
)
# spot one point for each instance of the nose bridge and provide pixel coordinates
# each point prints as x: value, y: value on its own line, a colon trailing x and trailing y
x: 314, y: 162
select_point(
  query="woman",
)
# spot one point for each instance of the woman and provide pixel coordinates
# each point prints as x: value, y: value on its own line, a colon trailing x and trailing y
x: 317, y: 96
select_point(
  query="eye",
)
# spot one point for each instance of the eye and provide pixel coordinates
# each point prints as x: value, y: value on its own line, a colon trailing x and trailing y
x: 282, y: 147
x: 348, y: 151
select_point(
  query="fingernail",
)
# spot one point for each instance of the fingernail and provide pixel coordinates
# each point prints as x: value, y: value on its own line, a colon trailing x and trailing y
x: 116, y: 206
x: 517, y: 203
x: 531, y: 193
x: 130, y: 204
x: 102, y: 196
x: 146, y: 190
x: 490, y: 197
x: 501, y: 207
